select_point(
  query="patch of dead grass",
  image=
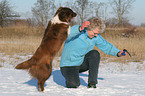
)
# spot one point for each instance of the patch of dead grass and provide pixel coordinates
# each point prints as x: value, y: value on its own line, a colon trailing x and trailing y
x: 24, y: 39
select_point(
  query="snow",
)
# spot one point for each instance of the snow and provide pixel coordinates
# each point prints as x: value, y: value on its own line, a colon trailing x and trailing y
x: 114, y: 80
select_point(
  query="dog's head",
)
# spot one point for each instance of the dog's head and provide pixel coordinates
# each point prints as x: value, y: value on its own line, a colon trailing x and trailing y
x: 65, y: 14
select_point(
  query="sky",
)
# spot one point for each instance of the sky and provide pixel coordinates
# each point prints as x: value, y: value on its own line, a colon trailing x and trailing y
x: 136, y: 16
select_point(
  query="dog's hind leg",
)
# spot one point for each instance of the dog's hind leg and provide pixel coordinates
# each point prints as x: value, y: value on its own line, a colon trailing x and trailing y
x: 41, y: 85
x: 45, y: 74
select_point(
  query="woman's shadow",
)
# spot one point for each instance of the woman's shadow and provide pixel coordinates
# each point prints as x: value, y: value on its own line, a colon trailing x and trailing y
x: 60, y: 80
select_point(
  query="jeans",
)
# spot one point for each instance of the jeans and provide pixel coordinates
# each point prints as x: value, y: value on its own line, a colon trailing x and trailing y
x: 90, y: 63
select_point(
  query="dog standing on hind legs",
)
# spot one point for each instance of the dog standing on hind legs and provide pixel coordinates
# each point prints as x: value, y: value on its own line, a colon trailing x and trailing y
x: 40, y: 64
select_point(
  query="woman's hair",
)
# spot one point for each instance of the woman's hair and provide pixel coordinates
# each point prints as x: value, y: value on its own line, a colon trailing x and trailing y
x: 96, y: 22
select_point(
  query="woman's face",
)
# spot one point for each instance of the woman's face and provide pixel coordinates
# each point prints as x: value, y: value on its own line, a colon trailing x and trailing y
x: 93, y: 33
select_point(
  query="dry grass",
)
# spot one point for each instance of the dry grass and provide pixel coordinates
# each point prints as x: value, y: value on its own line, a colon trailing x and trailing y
x: 23, y: 39
x: 135, y: 44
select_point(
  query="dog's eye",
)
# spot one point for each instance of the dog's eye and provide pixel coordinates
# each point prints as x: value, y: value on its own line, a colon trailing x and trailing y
x: 73, y: 14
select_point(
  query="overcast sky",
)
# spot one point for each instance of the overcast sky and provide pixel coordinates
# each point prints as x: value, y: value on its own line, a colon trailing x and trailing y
x: 137, y: 13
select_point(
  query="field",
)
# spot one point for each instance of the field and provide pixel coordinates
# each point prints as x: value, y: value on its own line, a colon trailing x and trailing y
x: 117, y: 76
x: 134, y: 44
x: 24, y: 39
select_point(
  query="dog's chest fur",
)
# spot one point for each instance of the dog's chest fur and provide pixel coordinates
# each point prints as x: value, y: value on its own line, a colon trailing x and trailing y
x: 56, y: 20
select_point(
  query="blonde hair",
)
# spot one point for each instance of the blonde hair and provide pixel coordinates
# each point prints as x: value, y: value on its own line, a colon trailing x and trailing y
x: 94, y: 23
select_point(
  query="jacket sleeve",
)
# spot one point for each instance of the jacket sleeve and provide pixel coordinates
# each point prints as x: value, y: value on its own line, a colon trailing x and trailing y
x: 74, y: 31
x: 106, y: 47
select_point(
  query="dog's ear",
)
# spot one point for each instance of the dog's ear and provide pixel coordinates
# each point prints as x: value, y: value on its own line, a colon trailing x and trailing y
x: 58, y: 10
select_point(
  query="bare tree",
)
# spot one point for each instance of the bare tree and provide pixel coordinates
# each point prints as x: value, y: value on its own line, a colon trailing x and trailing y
x: 86, y: 9
x: 43, y: 10
x: 142, y: 24
x: 121, y: 8
x: 80, y: 6
x: 98, y: 9
x: 102, y: 10
x: 6, y: 13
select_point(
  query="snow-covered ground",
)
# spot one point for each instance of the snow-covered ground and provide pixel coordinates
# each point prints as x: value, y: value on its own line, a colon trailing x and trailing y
x: 114, y: 80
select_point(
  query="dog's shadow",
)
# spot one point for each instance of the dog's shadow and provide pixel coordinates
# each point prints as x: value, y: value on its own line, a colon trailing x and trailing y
x: 33, y: 82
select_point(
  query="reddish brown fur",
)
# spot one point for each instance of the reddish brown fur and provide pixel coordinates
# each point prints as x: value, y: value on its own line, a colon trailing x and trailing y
x: 40, y: 64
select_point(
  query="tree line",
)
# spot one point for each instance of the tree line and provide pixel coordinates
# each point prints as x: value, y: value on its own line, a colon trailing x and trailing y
x: 44, y: 10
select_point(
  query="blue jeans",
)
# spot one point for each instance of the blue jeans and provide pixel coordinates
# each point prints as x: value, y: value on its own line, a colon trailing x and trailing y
x: 90, y: 63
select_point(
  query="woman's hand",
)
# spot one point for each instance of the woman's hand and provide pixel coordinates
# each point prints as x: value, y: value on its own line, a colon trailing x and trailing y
x: 85, y: 24
x: 122, y: 53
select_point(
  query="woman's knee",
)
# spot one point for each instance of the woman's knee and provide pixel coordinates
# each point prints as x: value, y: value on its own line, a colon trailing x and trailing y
x: 72, y: 84
x: 71, y: 75
x: 94, y: 53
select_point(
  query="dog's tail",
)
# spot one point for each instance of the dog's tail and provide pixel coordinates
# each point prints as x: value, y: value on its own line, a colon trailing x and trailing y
x: 24, y: 65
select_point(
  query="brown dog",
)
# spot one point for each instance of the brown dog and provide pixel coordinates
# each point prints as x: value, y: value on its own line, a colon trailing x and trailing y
x: 40, y: 64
